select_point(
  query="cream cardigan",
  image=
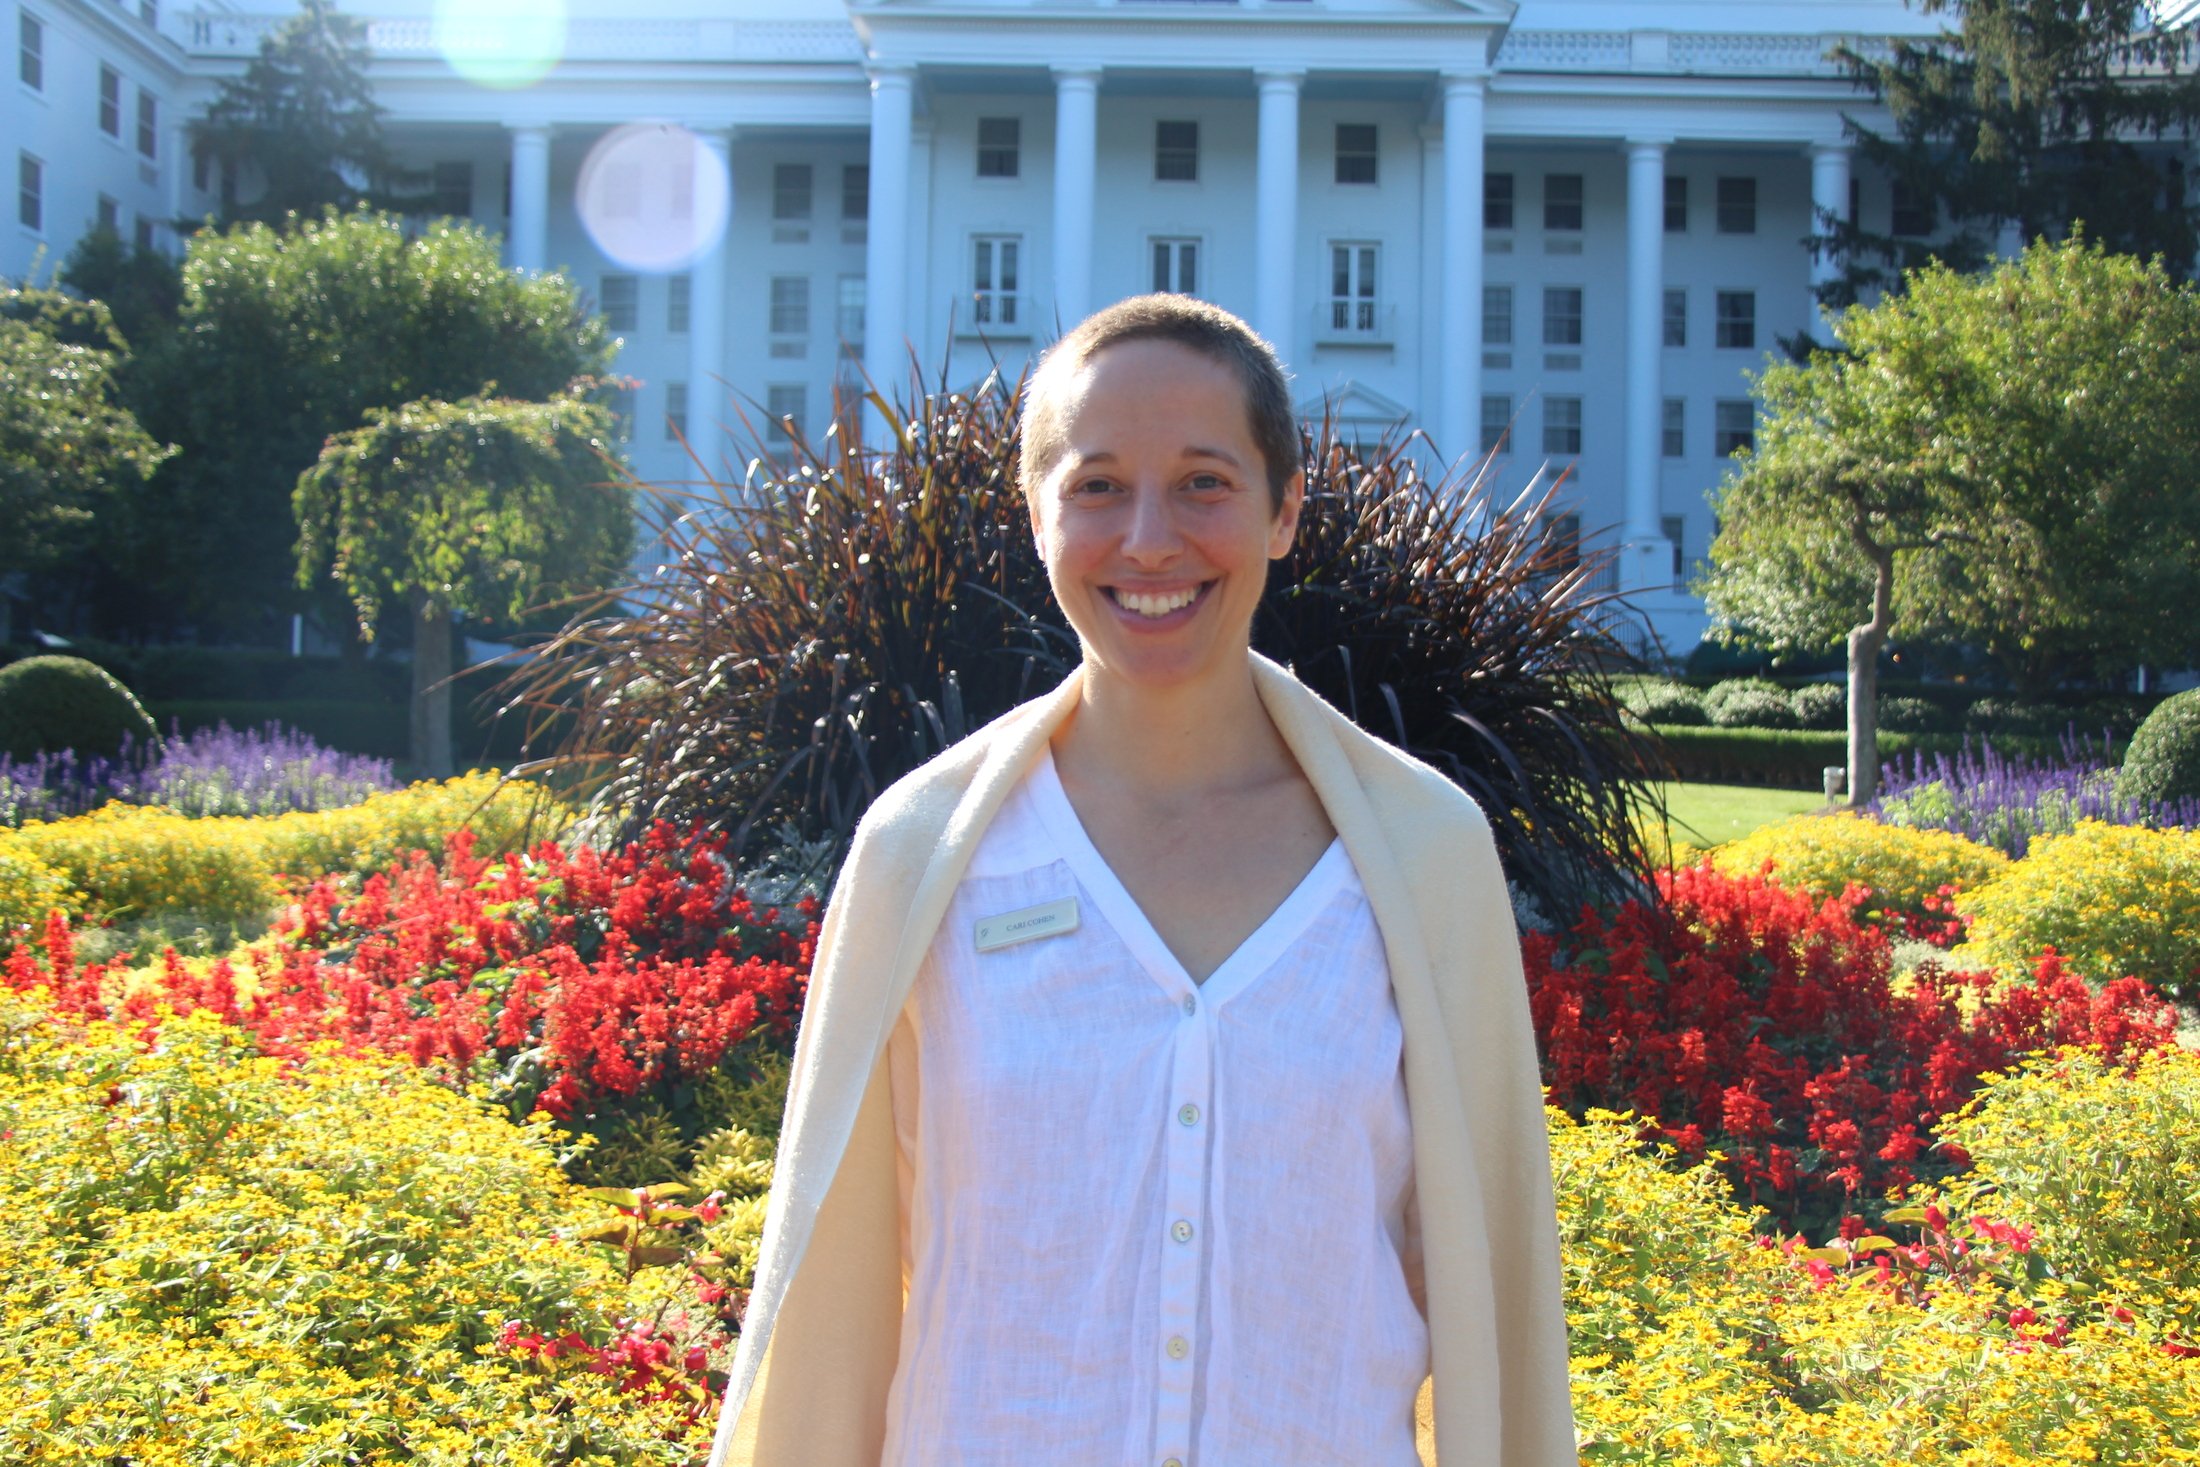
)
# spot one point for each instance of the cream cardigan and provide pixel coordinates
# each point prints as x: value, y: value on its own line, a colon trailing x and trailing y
x: 818, y: 1346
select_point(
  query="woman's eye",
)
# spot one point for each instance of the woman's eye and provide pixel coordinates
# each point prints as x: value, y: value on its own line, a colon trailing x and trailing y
x: 1092, y: 486
x: 1209, y: 482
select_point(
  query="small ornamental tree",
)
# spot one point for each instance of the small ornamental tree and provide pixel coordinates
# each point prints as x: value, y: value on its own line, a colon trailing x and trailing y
x: 2002, y: 459
x: 66, y: 444
x: 482, y: 506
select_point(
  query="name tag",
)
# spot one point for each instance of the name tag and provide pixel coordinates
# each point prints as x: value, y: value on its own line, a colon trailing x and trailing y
x: 1045, y: 920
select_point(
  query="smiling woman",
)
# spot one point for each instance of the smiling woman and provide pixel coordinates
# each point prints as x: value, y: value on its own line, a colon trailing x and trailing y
x: 1099, y: 1147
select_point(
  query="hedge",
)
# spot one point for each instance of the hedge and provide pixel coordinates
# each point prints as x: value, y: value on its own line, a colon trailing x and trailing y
x: 1786, y: 758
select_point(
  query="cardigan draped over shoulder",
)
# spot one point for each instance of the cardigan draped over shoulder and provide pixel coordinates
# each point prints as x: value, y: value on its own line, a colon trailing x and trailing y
x: 819, y: 1343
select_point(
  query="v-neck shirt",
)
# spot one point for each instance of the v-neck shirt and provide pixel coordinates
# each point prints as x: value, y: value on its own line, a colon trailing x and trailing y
x: 1148, y: 1221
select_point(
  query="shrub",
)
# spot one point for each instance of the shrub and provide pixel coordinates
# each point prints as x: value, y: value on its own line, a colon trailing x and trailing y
x: 2012, y: 715
x: 1763, y: 1026
x: 822, y: 629
x: 1821, y: 705
x: 1908, y: 875
x: 2111, y: 899
x: 2163, y: 763
x: 502, y: 814
x: 1901, y: 714
x: 2107, y: 1157
x: 215, y: 1256
x: 29, y: 889
x: 53, y: 703
x: 1660, y: 700
x: 2005, y: 801
x: 1748, y: 702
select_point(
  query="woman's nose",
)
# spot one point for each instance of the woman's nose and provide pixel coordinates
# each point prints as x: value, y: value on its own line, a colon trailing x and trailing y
x: 1151, y: 534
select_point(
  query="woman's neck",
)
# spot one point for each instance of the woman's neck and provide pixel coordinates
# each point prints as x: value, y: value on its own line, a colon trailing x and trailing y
x: 1168, y: 744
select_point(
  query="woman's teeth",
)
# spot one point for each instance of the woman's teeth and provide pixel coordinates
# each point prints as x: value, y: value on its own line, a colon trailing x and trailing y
x: 1156, y: 605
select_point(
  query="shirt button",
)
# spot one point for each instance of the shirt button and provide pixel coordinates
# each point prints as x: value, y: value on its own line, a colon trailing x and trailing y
x: 1172, y: 1462
x: 1181, y: 1231
x: 1179, y: 1347
x: 1189, y: 1115
x: 1191, y: 1004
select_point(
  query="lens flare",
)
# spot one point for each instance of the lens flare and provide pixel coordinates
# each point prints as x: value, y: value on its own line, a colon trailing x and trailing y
x: 504, y: 44
x: 653, y: 196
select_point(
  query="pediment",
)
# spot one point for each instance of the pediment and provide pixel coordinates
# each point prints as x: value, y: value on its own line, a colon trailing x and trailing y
x: 1354, y: 403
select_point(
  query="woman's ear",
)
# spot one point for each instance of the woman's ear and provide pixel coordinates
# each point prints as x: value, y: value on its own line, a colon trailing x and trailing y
x: 1286, y: 526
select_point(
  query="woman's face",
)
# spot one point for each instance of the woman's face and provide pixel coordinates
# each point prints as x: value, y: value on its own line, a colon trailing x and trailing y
x: 1155, y: 522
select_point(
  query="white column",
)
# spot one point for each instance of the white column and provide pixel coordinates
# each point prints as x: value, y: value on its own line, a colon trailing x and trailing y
x: 1829, y: 204
x: 885, y: 290
x: 1076, y: 148
x: 707, y: 314
x: 1430, y: 387
x: 1458, y: 420
x: 1276, y: 213
x: 1646, y: 560
x: 527, y: 243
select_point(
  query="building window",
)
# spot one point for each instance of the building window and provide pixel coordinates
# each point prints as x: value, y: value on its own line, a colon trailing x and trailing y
x: 1675, y: 527
x: 620, y: 298
x: 784, y: 403
x: 1913, y: 211
x: 855, y: 191
x: 1676, y: 204
x: 1562, y: 426
x: 1356, y: 153
x: 1856, y: 192
x: 1734, y: 427
x: 144, y: 232
x: 1562, y: 315
x: 1352, y: 280
x: 1497, y: 315
x: 790, y: 191
x: 676, y: 411
x: 998, y: 145
x: 1497, y: 201
x: 452, y: 190
x: 30, y: 63
x: 202, y: 170
x: 1562, y: 541
x: 30, y: 191
x: 679, y: 291
x: 1673, y: 441
x: 148, y: 124
x: 110, y: 101
x: 1676, y: 318
x: 1176, y: 266
x: 849, y: 323
x: 1176, y: 152
x: 622, y: 413
x: 1737, y: 206
x: 1562, y: 201
x: 149, y: 12
x: 1497, y: 417
x: 993, y: 276
x: 790, y: 305
x: 109, y: 216
x: 1737, y: 319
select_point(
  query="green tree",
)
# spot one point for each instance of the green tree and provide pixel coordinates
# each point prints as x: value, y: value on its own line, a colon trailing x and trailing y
x: 300, y: 131
x: 66, y: 443
x: 141, y: 288
x: 483, y: 506
x: 286, y: 339
x: 2005, y: 459
x: 2035, y: 116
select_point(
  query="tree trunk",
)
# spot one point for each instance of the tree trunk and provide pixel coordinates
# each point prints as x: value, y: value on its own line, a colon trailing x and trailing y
x: 431, y: 689
x: 1865, y: 642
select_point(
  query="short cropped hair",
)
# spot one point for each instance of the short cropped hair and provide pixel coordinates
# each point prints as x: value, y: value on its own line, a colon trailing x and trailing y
x: 1188, y: 322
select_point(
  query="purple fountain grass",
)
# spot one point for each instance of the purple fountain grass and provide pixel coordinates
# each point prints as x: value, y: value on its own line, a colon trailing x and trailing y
x: 212, y: 771
x: 2007, y: 802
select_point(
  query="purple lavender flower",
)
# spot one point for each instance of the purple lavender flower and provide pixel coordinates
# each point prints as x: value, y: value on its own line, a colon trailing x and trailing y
x: 216, y: 771
x: 2007, y: 802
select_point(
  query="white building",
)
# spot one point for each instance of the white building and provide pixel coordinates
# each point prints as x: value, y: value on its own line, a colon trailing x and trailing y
x: 1582, y: 219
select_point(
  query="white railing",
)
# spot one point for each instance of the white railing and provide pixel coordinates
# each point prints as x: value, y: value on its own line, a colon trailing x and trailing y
x: 213, y: 33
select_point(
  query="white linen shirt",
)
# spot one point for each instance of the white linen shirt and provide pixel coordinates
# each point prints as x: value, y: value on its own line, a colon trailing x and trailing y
x: 1150, y: 1222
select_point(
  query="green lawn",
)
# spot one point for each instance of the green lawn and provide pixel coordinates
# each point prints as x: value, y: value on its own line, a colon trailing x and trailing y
x: 1708, y: 814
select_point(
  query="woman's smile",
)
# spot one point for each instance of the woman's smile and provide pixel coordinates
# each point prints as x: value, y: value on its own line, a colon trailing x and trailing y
x: 1158, y: 608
